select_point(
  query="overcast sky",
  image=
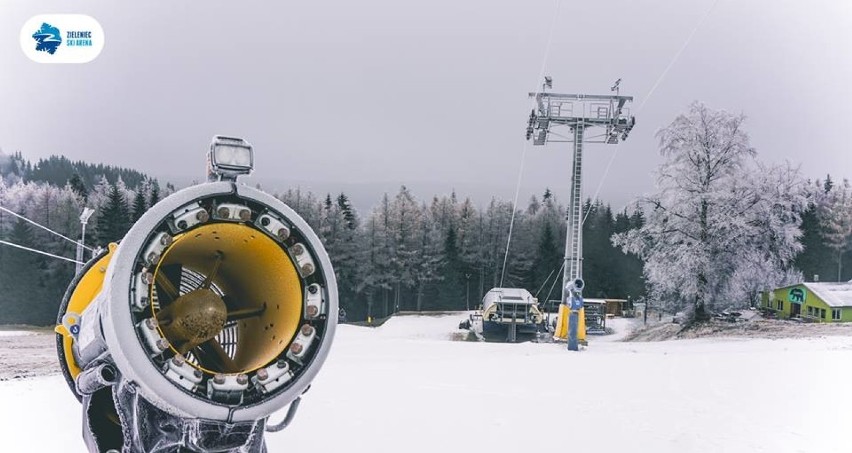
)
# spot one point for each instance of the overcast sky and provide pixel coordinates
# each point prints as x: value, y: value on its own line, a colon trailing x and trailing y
x: 365, y: 95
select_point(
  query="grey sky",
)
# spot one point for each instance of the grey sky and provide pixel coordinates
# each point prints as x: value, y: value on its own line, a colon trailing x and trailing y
x: 363, y: 96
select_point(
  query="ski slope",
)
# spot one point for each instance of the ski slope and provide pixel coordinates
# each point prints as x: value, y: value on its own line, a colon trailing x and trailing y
x: 405, y: 387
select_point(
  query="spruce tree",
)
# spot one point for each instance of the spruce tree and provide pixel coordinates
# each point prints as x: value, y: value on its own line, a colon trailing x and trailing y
x: 114, y: 221
x: 451, y: 292
x: 155, y: 193
x: 139, y: 205
x: 79, y: 187
x: 346, y: 208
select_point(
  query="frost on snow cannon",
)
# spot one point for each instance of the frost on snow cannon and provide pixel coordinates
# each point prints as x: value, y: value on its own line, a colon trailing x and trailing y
x: 216, y: 310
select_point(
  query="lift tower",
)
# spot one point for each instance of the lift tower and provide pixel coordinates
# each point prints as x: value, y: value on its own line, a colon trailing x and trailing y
x: 578, y: 112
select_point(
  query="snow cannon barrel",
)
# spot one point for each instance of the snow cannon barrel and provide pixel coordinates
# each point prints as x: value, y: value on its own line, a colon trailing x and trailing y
x: 216, y: 310
x: 576, y: 286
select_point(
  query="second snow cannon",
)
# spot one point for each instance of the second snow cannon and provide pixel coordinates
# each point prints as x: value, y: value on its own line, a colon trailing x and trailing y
x: 215, y: 311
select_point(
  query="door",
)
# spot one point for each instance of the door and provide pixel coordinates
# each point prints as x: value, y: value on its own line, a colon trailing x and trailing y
x: 795, y: 310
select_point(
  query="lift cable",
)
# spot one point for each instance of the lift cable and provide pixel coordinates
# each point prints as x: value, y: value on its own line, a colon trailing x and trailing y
x: 40, y: 252
x: 44, y: 228
x: 524, y: 150
x: 648, y: 96
x: 544, y: 283
x: 554, y: 282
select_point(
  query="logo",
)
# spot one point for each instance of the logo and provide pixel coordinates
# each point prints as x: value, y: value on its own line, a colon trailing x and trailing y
x: 796, y: 295
x: 47, y: 38
x: 62, y: 38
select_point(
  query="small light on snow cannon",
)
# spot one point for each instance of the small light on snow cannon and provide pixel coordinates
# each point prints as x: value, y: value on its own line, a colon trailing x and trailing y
x: 229, y: 157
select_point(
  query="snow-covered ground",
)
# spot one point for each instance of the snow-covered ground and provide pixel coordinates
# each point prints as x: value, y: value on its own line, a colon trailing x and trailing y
x: 15, y: 333
x: 404, y: 387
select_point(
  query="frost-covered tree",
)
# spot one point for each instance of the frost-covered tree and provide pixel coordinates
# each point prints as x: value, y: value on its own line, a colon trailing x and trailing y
x: 466, y: 223
x: 339, y: 231
x: 547, y: 228
x: 772, y: 207
x: 31, y: 285
x: 834, y: 210
x: 405, y: 222
x: 304, y: 203
x: 495, y: 230
x: 380, y: 278
x: 706, y: 229
x: 428, y: 259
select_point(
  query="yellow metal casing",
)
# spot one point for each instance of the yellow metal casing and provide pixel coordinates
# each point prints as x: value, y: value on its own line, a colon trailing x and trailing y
x: 87, y: 288
x: 561, y: 331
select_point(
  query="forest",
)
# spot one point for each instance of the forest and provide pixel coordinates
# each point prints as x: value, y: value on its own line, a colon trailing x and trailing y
x: 744, y: 228
x: 406, y: 254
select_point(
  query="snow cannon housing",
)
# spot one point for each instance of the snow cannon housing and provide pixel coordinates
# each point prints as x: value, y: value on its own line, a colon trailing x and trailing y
x: 217, y: 309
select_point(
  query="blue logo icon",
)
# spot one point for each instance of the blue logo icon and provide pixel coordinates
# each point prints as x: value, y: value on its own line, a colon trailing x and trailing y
x: 47, y: 38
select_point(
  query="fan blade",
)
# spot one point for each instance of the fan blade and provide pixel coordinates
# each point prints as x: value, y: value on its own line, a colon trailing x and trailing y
x: 166, y: 287
x: 212, y: 274
x: 214, y: 352
x: 236, y: 315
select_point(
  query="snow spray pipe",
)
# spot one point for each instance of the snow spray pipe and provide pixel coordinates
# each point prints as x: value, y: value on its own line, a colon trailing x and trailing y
x: 217, y: 309
x: 95, y: 378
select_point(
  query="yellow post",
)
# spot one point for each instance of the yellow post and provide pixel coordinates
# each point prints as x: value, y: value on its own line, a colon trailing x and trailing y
x: 561, y: 331
x: 561, y: 323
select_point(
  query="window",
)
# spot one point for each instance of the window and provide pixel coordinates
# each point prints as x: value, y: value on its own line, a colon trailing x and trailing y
x: 835, y: 314
x: 779, y: 304
x: 810, y: 311
x: 822, y: 313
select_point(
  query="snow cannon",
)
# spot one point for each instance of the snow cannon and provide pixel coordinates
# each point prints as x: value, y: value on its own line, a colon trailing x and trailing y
x: 574, y: 304
x: 576, y: 286
x: 215, y: 311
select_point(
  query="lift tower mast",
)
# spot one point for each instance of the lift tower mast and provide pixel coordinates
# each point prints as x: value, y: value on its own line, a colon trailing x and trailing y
x: 578, y: 112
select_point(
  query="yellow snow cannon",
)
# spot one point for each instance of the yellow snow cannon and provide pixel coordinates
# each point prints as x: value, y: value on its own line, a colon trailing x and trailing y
x: 215, y: 311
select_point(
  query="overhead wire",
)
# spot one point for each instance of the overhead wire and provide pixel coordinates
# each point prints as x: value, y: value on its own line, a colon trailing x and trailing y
x: 39, y: 252
x: 524, y: 151
x: 554, y: 282
x: 651, y: 93
x: 43, y: 227
x: 544, y: 283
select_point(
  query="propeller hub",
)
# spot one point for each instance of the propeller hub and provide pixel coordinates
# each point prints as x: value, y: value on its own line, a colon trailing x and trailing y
x: 193, y: 318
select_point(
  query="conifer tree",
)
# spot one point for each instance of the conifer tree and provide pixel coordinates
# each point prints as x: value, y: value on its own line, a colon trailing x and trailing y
x: 114, y: 221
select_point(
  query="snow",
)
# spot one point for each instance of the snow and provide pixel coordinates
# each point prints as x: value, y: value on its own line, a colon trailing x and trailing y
x: 620, y: 326
x: 833, y: 294
x: 15, y: 333
x: 404, y: 387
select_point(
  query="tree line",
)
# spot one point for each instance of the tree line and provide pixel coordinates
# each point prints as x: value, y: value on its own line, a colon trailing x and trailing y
x: 446, y: 253
x: 406, y: 254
